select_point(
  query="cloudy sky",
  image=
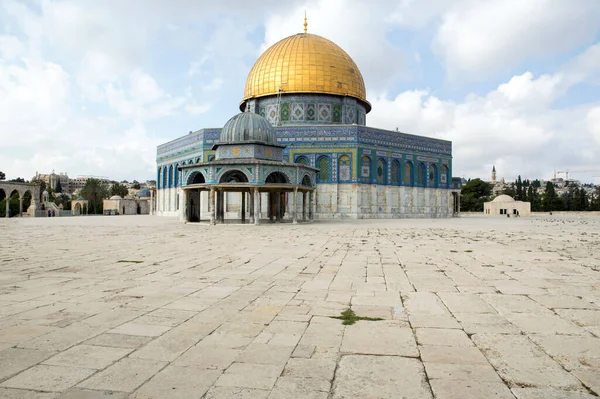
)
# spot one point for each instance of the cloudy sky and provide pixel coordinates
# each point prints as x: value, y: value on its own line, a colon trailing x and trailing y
x: 92, y: 87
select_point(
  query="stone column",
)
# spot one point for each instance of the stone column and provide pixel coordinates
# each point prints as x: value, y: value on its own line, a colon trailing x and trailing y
x: 243, y: 207
x: 458, y: 195
x: 7, y: 205
x: 199, y: 205
x: 294, y: 207
x: 182, y: 205
x: 251, y: 205
x: 212, y: 205
x: 20, y: 205
x: 151, y: 202
x: 269, y: 208
x: 304, y: 195
x: 278, y: 207
x: 256, y: 206
x: 311, y: 195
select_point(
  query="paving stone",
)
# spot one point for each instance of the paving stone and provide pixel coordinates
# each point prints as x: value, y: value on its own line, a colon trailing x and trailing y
x: 125, y: 375
x: 589, y: 377
x: 452, y: 389
x: 536, y: 393
x: 217, y: 392
x: 145, y: 330
x: 443, y: 337
x: 379, y: 377
x: 300, y: 388
x: 465, y: 303
x: 521, y: 363
x: 119, y: 340
x: 318, y: 368
x: 248, y: 375
x: 77, y: 393
x: 265, y: 354
x: 177, y: 382
x: 14, y: 360
x: 453, y: 371
x: 544, y: 324
x: 8, y: 393
x: 88, y: 356
x: 206, y: 357
x: 277, y: 288
x: 48, y: 378
x: 391, y: 339
x: 452, y: 354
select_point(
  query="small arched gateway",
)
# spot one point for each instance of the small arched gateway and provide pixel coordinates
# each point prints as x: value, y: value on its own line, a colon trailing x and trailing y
x: 248, y: 161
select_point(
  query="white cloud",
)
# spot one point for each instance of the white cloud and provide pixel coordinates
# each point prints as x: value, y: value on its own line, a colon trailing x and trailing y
x: 477, y: 38
x: 514, y: 126
x: 197, y: 109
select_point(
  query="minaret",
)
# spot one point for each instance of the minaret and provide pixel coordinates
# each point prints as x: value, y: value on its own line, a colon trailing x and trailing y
x: 494, y: 174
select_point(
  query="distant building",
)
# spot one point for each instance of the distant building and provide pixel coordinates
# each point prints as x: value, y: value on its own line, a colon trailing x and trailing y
x: 125, y: 206
x: 52, y: 179
x: 506, y: 205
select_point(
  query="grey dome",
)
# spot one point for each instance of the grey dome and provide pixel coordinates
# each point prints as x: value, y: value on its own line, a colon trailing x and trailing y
x: 247, y: 126
x: 144, y: 192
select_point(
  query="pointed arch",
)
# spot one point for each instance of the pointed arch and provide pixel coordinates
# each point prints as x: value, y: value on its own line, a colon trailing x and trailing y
x: 170, y: 183
x: 196, y: 178
x: 444, y: 180
x: 176, y: 172
x: 421, y: 174
x: 344, y: 168
x: 164, y: 177
x: 409, y: 176
x: 302, y: 160
x: 324, y: 166
x: 365, y: 169
x: 381, y: 171
x: 432, y: 176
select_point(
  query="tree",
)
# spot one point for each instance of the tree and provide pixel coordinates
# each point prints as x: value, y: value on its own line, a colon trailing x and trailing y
x: 58, y: 187
x: 550, y: 201
x: 18, y: 180
x: 135, y: 185
x: 119, y: 189
x: 474, y: 194
x: 519, y: 194
x: 95, y: 190
x: 2, y: 176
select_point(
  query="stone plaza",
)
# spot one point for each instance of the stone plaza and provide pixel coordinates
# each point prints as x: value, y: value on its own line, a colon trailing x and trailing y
x: 147, y: 307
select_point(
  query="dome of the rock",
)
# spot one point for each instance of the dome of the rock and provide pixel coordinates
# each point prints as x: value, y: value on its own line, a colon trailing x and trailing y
x: 305, y: 63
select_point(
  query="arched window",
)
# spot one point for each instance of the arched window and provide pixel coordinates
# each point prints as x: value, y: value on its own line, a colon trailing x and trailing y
x: 409, y: 178
x: 158, y: 179
x: 176, y: 175
x: 306, y: 181
x: 170, y: 176
x: 444, y: 177
x: 421, y: 175
x: 302, y: 160
x: 432, y: 180
x: 234, y: 176
x: 365, y: 169
x: 381, y: 171
x: 196, y: 178
x: 344, y: 168
x: 277, y: 178
x: 324, y: 166
x: 395, y: 173
x: 164, y: 175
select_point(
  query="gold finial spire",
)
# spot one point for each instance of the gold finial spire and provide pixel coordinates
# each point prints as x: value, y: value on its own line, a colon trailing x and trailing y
x: 305, y: 23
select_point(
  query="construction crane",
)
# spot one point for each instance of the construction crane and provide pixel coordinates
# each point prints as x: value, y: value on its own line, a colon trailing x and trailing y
x: 566, y: 172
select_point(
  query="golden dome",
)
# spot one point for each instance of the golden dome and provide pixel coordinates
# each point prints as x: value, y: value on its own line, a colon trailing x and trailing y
x: 305, y: 63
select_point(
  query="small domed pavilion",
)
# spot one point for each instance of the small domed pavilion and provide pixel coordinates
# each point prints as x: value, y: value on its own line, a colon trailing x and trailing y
x: 249, y: 161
